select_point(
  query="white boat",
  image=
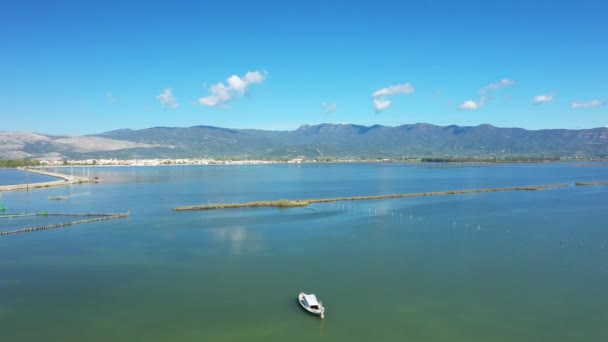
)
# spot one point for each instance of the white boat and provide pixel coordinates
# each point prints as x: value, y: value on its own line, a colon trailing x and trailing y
x: 309, y: 303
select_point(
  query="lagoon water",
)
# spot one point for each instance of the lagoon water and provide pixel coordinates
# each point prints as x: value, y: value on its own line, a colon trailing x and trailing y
x: 14, y: 176
x: 504, y: 266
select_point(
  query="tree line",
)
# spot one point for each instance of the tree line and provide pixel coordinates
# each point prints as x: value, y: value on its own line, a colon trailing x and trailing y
x: 13, y: 163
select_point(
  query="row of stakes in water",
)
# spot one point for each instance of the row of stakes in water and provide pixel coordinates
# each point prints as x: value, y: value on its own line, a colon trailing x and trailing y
x: 412, y: 218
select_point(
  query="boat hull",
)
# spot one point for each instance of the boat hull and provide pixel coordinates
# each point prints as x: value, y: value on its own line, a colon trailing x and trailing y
x: 317, y: 312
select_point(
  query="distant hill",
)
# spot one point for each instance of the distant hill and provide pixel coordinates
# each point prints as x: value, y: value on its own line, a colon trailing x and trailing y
x: 316, y: 141
x: 18, y: 145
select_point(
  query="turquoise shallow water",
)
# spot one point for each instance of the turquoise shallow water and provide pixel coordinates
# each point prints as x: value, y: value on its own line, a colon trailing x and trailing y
x: 506, y: 266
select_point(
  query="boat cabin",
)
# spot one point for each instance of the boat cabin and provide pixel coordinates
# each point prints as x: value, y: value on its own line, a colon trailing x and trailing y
x: 311, y: 301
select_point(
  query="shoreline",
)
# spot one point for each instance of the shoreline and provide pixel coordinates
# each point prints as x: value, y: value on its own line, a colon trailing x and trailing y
x: 64, y: 179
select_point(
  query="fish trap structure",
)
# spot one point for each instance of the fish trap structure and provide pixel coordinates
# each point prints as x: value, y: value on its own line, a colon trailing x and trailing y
x: 90, y: 218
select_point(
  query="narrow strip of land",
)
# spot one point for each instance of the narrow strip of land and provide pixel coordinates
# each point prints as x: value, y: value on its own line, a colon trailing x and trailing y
x: 590, y: 183
x: 63, y: 180
x: 303, y: 203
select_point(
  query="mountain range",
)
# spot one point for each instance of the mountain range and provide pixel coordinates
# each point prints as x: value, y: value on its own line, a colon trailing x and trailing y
x: 312, y: 142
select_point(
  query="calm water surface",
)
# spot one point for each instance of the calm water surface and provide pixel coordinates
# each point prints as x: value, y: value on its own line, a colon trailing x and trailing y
x: 507, y: 266
x: 14, y: 176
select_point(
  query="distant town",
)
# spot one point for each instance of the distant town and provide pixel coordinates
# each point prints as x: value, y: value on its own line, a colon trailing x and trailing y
x: 299, y: 160
x: 21, y: 163
x: 157, y: 162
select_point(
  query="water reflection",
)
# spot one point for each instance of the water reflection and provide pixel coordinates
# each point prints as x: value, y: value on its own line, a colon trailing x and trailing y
x: 239, y: 238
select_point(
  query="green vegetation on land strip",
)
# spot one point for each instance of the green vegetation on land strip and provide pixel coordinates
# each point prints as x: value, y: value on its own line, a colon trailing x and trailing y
x: 279, y: 204
x: 303, y: 203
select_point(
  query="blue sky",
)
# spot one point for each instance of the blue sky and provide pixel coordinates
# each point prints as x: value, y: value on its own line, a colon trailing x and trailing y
x: 83, y: 67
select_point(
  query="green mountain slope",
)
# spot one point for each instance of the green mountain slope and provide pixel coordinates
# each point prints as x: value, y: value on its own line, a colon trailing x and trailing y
x: 316, y: 141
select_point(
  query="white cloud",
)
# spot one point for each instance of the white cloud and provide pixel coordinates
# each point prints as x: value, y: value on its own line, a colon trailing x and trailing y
x: 381, y: 104
x: 503, y: 83
x: 167, y: 99
x: 329, y: 108
x: 219, y: 94
x: 237, y: 83
x: 255, y: 76
x: 222, y: 93
x: 380, y: 101
x: 590, y: 104
x: 485, y: 92
x: 470, y: 105
x: 538, y: 99
x: 405, y: 88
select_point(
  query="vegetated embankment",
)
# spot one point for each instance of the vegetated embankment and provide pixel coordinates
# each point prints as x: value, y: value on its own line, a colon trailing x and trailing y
x: 303, y: 203
x: 590, y: 183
